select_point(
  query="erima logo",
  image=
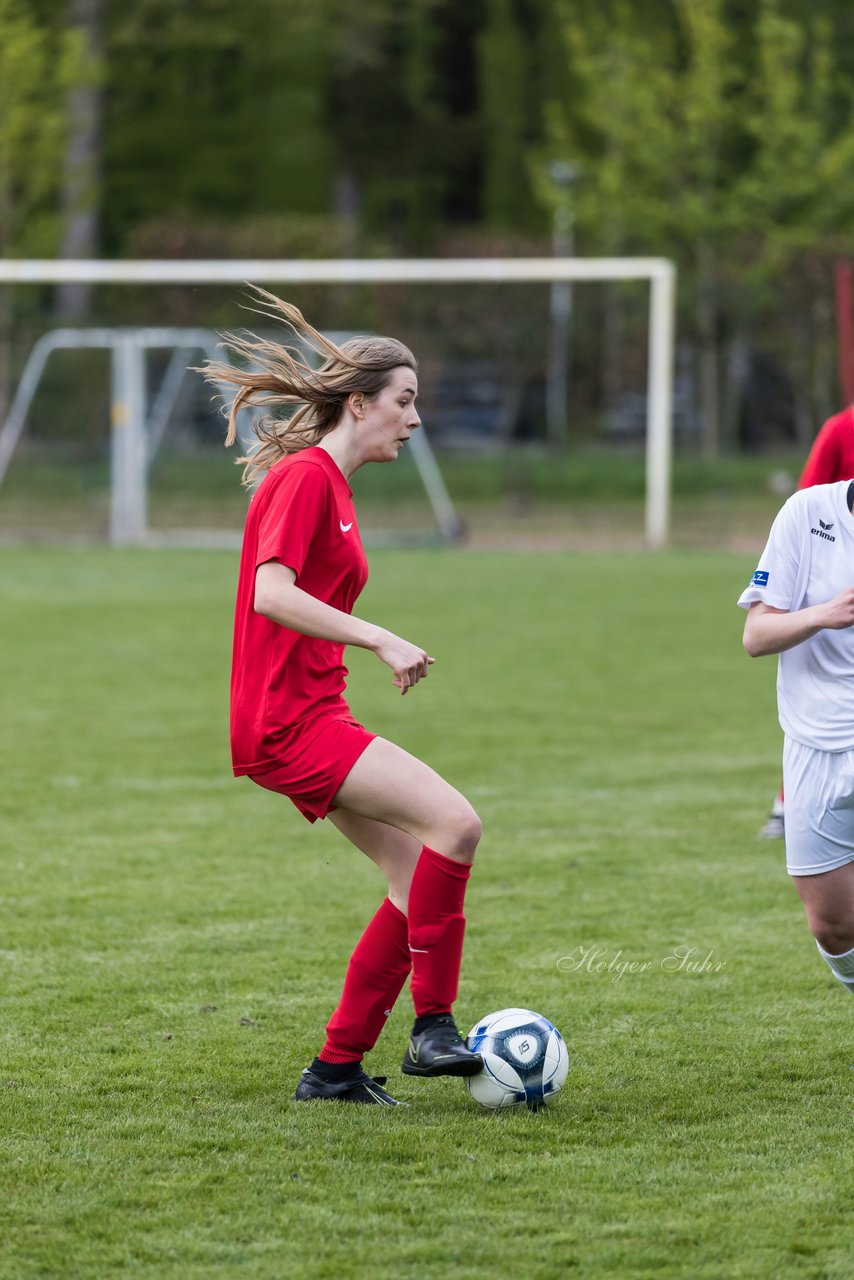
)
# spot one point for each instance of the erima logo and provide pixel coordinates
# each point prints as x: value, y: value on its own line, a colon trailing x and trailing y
x: 824, y: 531
x: 345, y: 528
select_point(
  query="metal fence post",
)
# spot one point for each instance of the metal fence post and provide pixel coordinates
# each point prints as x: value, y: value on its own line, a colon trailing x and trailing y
x: 128, y: 448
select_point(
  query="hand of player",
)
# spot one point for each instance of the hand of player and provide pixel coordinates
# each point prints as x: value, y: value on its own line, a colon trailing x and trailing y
x: 409, y: 663
x: 839, y: 612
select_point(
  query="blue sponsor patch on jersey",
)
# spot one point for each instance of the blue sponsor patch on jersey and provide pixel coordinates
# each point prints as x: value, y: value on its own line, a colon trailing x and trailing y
x: 760, y: 578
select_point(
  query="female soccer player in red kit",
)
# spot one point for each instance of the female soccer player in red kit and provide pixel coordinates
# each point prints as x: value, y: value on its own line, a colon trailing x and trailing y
x: 302, y: 569
x: 831, y: 458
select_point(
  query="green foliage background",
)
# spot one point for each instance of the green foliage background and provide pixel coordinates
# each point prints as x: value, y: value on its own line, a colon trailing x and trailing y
x: 719, y: 133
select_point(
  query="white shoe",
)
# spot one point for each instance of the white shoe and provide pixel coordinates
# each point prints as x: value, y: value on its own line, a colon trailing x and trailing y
x: 774, y: 829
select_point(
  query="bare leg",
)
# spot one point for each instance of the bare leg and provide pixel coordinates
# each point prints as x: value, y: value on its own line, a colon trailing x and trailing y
x: 389, y: 791
x: 390, y: 786
x: 829, y: 905
x: 394, y: 851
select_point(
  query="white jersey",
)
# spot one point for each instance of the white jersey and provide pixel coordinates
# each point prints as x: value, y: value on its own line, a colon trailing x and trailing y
x: 808, y: 560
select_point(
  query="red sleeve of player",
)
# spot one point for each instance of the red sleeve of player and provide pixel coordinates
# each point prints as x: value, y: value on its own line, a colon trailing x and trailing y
x: 288, y: 525
x: 822, y: 464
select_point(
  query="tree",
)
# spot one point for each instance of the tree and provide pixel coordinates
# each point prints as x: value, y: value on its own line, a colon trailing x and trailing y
x: 725, y: 144
x: 214, y: 111
x: 797, y: 194
x: 38, y: 64
x: 656, y: 120
x: 503, y: 102
x: 82, y: 162
x: 387, y: 118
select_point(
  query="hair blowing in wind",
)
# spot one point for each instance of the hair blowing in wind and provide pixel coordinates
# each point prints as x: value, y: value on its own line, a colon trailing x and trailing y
x: 301, y: 403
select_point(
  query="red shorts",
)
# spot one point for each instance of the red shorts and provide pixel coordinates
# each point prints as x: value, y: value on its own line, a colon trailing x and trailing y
x: 313, y: 777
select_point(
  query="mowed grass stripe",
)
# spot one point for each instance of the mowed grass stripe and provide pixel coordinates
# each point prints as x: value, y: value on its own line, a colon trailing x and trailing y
x: 172, y: 941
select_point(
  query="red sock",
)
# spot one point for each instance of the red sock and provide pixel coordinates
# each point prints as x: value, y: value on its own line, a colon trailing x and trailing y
x: 436, y: 929
x: 375, y: 976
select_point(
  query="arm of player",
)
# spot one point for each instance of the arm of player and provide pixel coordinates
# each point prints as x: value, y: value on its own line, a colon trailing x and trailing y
x: 768, y: 630
x: 278, y: 598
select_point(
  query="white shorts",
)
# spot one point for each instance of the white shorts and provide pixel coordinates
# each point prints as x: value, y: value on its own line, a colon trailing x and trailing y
x: 819, y: 799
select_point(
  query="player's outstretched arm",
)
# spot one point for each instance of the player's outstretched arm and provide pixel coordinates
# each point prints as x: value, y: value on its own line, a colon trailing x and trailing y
x: 278, y: 598
x: 768, y: 630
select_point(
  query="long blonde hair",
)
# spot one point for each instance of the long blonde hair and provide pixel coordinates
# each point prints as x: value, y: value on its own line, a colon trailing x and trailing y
x: 277, y: 376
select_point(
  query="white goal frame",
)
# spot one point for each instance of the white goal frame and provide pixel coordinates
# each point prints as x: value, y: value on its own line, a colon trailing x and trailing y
x: 660, y: 272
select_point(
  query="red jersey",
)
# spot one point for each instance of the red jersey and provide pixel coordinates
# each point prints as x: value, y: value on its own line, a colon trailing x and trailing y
x: 831, y: 457
x: 286, y: 686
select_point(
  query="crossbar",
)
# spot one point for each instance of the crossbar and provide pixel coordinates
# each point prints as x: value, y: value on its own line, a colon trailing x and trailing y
x: 660, y: 272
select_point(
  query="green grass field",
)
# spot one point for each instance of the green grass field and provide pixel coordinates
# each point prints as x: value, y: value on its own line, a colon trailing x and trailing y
x: 173, y: 940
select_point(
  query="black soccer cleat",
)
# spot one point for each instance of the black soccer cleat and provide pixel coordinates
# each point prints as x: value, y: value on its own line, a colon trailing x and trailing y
x: 355, y: 1088
x: 439, y: 1050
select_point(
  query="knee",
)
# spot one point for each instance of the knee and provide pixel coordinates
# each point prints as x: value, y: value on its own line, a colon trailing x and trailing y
x: 464, y: 835
x: 832, y: 929
x: 472, y: 830
x: 833, y: 936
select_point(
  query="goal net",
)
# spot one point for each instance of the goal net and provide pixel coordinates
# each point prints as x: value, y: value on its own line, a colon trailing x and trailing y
x: 107, y: 432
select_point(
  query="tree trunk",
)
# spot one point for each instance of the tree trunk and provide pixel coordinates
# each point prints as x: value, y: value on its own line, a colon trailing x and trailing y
x: 81, y: 169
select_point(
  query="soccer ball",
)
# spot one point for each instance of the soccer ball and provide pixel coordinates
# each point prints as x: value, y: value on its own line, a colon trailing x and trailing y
x: 524, y: 1060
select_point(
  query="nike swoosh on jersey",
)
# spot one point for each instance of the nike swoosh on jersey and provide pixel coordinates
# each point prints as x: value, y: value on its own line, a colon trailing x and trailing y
x: 345, y: 528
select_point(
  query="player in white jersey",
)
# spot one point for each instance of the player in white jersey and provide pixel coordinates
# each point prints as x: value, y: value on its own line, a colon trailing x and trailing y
x: 801, y: 606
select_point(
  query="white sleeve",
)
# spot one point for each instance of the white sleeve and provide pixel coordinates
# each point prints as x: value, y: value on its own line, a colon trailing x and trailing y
x: 775, y: 581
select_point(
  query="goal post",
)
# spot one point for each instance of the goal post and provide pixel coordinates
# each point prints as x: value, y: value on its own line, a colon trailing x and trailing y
x: 659, y: 272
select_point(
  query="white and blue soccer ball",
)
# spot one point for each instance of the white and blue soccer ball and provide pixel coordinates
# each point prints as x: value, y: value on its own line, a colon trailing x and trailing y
x: 525, y: 1060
